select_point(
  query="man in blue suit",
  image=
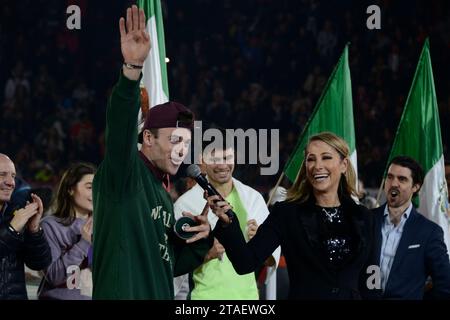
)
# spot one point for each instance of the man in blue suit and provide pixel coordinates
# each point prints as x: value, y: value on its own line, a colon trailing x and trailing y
x: 409, y: 247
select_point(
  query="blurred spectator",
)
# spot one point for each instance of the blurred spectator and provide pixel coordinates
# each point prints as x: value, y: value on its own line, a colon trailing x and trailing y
x: 264, y: 66
x: 364, y: 198
x: 326, y: 41
x: 22, y: 241
x: 18, y: 78
x: 69, y: 233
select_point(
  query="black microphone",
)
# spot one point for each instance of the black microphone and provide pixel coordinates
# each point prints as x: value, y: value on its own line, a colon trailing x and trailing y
x: 194, y: 172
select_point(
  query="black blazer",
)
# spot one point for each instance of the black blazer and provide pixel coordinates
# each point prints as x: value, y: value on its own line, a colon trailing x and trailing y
x: 294, y: 226
x: 421, y: 253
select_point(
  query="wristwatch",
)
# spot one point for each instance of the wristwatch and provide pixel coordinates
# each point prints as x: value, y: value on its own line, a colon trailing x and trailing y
x: 132, y: 66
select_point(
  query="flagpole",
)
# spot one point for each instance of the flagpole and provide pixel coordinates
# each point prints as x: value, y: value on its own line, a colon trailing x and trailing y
x: 379, y: 191
x: 271, y: 276
x: 275, y: 189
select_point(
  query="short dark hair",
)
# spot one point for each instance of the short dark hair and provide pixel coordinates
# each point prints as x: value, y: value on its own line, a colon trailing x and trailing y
x: 417, y: 173
x: 153, y: 131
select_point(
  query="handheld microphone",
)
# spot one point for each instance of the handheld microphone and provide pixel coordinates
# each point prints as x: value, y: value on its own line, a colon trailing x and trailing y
x: 194, y: 172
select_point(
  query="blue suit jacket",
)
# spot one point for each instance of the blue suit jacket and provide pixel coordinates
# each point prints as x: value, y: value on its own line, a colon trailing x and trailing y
x: 421, y: 253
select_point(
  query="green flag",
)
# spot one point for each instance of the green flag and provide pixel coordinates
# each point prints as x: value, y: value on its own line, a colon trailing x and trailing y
x: 419, y: 136
x: 154, y: 77
x: 333, y: 112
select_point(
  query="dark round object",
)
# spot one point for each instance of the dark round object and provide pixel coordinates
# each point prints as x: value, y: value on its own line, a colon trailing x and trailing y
x: 179, y: 226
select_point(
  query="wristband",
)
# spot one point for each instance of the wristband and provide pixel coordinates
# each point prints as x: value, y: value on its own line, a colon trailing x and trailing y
x: 132, y: 66
x: 11, y: 228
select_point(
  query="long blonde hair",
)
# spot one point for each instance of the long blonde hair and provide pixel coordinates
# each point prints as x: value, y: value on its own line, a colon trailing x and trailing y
x: 301, y: 190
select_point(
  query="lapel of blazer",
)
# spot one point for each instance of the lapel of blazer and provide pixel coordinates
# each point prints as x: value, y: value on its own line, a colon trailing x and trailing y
x: 409, y: 231
x: 308, y: 220
x: 356, y: 216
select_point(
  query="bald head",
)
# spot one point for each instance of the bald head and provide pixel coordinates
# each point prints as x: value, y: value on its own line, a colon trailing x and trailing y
x: 7, y: 175
x: 4, y: 157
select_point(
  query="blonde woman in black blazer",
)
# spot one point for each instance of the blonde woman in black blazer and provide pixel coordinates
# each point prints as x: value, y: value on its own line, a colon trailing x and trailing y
x: 325, y: 236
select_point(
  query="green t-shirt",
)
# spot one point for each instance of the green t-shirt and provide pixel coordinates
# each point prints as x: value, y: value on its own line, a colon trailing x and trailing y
x: 136, y: 253
x: 217, y: 280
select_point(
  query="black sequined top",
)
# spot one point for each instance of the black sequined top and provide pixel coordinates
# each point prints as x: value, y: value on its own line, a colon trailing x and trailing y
x: 336, y: 236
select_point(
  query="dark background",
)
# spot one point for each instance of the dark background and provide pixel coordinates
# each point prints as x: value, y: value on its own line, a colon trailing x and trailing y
x: 237, y: 64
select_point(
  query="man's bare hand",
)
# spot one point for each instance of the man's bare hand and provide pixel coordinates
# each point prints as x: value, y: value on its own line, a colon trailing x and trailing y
x: 86, y: 229
x: 216, y: 251
x: 134, y: 40
x: 219, y: 207
x: 252, y: 227
x: 22, y: 216
x: 203, y: 228
x: 33, y: 223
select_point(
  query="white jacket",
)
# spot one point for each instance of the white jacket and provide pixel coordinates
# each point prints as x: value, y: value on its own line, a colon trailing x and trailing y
x: 192, y: 201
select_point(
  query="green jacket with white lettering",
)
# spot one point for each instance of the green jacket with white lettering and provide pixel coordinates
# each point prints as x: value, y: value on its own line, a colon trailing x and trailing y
x: 136, y: 253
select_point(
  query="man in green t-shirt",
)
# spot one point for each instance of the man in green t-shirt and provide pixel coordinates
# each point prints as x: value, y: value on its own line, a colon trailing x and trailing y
x: 136, y: 253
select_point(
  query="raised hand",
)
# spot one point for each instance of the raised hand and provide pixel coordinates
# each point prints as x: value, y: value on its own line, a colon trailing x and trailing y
x: 86, y: 230
x: 134, y: 40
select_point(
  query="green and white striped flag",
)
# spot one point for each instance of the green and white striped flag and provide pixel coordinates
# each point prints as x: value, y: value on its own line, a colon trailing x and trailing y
x: 154, y: 72
x: 419, y: 136
x: 333, y: 112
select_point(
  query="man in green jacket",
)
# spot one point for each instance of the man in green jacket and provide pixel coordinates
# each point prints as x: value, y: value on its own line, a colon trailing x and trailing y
x: 136, y: 253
